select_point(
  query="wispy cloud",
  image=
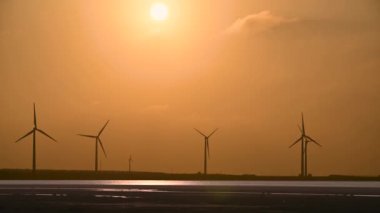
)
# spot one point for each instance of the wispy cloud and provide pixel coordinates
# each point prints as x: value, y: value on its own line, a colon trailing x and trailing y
x: 257, y: 23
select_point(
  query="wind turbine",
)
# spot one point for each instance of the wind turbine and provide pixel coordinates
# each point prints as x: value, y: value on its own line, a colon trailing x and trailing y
x: 33, y: 131
x: 206, y: 149
x: 97, y: 141
x: 130, y: 163
x: 305, y: 139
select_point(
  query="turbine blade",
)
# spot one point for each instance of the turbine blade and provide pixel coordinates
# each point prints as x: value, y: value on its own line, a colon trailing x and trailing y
x: 213, y: 132
x: 299, y: 128
x: 295, y: 142
x: 26, y: 135
x: 46, y: 135
x: 103, y: 128
x: 88, y: 136
x: 199, y: 132
x: 101, y: 145
x: 303, y: 124
x: 35, y: 116
x: 312, y: 140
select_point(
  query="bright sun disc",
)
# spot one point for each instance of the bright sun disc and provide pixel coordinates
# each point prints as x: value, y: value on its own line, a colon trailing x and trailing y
x: 159, y: 12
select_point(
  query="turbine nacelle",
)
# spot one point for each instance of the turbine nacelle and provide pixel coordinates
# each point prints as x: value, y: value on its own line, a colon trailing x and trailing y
x: 206, y: 136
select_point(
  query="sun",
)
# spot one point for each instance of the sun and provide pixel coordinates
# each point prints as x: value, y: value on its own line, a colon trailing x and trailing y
x: 159, y: 12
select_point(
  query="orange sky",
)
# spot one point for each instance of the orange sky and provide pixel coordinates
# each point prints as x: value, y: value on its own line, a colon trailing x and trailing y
x: 249, y: 67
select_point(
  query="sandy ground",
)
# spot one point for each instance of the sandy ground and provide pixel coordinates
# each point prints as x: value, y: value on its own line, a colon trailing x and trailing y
x: 94, y: 198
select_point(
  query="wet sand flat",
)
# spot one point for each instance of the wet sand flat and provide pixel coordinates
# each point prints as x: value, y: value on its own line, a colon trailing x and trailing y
x: 199, y: 196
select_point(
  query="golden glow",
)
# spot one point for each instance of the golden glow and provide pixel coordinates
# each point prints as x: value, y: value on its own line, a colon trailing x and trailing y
x: 227, y: 64
x: 159, y: 12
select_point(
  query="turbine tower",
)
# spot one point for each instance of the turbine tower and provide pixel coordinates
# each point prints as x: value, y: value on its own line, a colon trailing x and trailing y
x: 304, y: 139
x: 97, y: 141
x: 307, y: 141
x: 130, y: 163
x: 33, y: 131
x: 207, y: 148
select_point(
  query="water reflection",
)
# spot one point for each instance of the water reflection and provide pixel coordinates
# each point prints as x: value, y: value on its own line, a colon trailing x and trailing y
x: 350, y: 184
x: 126, y: 190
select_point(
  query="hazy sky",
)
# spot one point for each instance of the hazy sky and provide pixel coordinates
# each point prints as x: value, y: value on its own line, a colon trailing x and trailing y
x: 249, y: 67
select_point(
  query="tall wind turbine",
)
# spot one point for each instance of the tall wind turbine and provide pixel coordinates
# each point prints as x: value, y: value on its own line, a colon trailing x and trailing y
x: 130, y: 163
x: 33, y: 131
x: 97, y: 141
x: 207, y: 148
x: 304, y: 139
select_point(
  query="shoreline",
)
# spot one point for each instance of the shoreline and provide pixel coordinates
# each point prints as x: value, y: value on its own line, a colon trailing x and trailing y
x: 24, y: 174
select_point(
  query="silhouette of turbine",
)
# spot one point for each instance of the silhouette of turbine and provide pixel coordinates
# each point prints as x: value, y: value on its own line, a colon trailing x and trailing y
x: 33, y: 131
x: 130, y: 163
x: 304, y: 139
x: 207, y: 148
x: 97, y: 140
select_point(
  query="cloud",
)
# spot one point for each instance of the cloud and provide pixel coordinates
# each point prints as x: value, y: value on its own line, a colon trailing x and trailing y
x: 257, y: 23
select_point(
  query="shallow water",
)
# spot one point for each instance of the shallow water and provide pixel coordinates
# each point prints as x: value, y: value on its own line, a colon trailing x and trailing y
x: 188, y: 196
x: 345, y: 184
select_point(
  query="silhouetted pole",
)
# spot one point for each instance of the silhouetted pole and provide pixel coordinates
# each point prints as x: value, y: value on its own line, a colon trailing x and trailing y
x: 205, y: 161
x: 34, y: 151
x: 96, y: 155
x: 302, y: 157
x: 306, y: 173
x: 129, y: 167
x: 306, y: 161
x: 306, y: 158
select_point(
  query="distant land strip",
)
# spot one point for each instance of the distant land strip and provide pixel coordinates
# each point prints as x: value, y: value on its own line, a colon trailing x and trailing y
x: 24, y: 174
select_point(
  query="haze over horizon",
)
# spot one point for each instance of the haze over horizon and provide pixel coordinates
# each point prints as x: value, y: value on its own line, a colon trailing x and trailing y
x: 247, y: 67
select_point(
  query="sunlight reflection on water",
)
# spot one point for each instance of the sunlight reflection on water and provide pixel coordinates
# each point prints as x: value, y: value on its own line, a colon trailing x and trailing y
x: 353, y: 184
x: 126, y: 190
